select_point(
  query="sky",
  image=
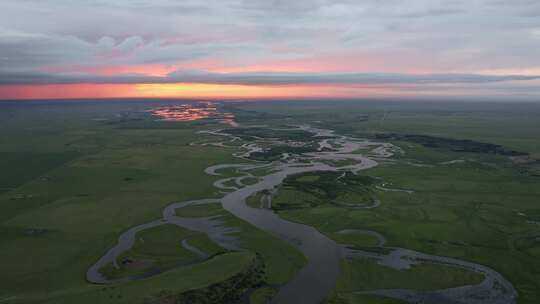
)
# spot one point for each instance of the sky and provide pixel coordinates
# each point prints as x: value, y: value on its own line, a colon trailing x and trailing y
x: 269, y: 49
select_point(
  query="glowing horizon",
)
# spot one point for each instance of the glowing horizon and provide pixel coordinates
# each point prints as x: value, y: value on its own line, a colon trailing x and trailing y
x: 211, y: 91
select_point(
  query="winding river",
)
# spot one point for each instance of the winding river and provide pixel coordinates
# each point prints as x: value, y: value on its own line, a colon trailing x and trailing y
x: 316, y: 280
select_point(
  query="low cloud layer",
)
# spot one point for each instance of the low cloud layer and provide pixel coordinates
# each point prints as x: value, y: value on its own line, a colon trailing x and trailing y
x: 261, y: 78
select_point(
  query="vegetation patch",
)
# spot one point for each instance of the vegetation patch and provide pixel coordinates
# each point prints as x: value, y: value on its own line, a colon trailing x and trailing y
x: 314, y: 189
x: 254, y: 201
x: 21, y: 167
x: 250, y: 180
x: 456, y: 145
x: 351, y: 298
x: 228, y: 291
x: 268, y: 133
x: 203, y: 210
x: 61, y: 212
x: 262, y: 295
x: 363, y: 274
x: 276, y: 152
x: 356, y: 239
x: 160, y: 248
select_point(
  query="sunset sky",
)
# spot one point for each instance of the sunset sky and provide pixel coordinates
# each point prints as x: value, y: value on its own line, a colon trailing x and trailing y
x: 269, y: 49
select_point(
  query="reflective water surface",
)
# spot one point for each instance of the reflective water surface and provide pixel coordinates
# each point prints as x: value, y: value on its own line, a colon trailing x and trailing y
x: 193, y: 112
x: 317, y: 279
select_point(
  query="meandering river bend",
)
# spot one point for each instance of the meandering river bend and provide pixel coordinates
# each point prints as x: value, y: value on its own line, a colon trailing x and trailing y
x: 316, y: 280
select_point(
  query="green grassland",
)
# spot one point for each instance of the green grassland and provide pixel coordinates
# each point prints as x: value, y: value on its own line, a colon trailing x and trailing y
x: 77, y: 174
x: 213, y: 271
x: 275, y: 152
x: 266, y: 133
x: 511, y: 124
x: 262, y: 295
x: 281, y: 260
x: 314, y: 189
x: 356, y: 240
x: 362, y: 274
x: 160, y: 249
x: 469, y: 201
x: 364, y: 299
x: 473, y: 211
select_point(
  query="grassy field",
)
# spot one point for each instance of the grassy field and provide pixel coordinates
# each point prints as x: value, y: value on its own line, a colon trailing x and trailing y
x: 514, y: 125
x: 471, y: 204
x: 281, y: 260
x: 479, y: 212
x: 313, y: 189
x: 362, y: 274
x: 213, y: 271
x: 160, y: 248
x: 77, y: 174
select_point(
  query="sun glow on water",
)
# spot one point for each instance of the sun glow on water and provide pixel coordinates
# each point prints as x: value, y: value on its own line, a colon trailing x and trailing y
x: 193, y: 112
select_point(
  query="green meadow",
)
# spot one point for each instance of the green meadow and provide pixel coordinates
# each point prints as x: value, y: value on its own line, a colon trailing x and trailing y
x: 465, y: 203
x: 76, y: 174
x: 74, y: 177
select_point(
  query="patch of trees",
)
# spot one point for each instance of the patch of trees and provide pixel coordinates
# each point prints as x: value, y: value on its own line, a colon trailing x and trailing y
x: 328, y: 187
x: 275, y: 152
x: 329, y: 184
x: 456, y: 145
